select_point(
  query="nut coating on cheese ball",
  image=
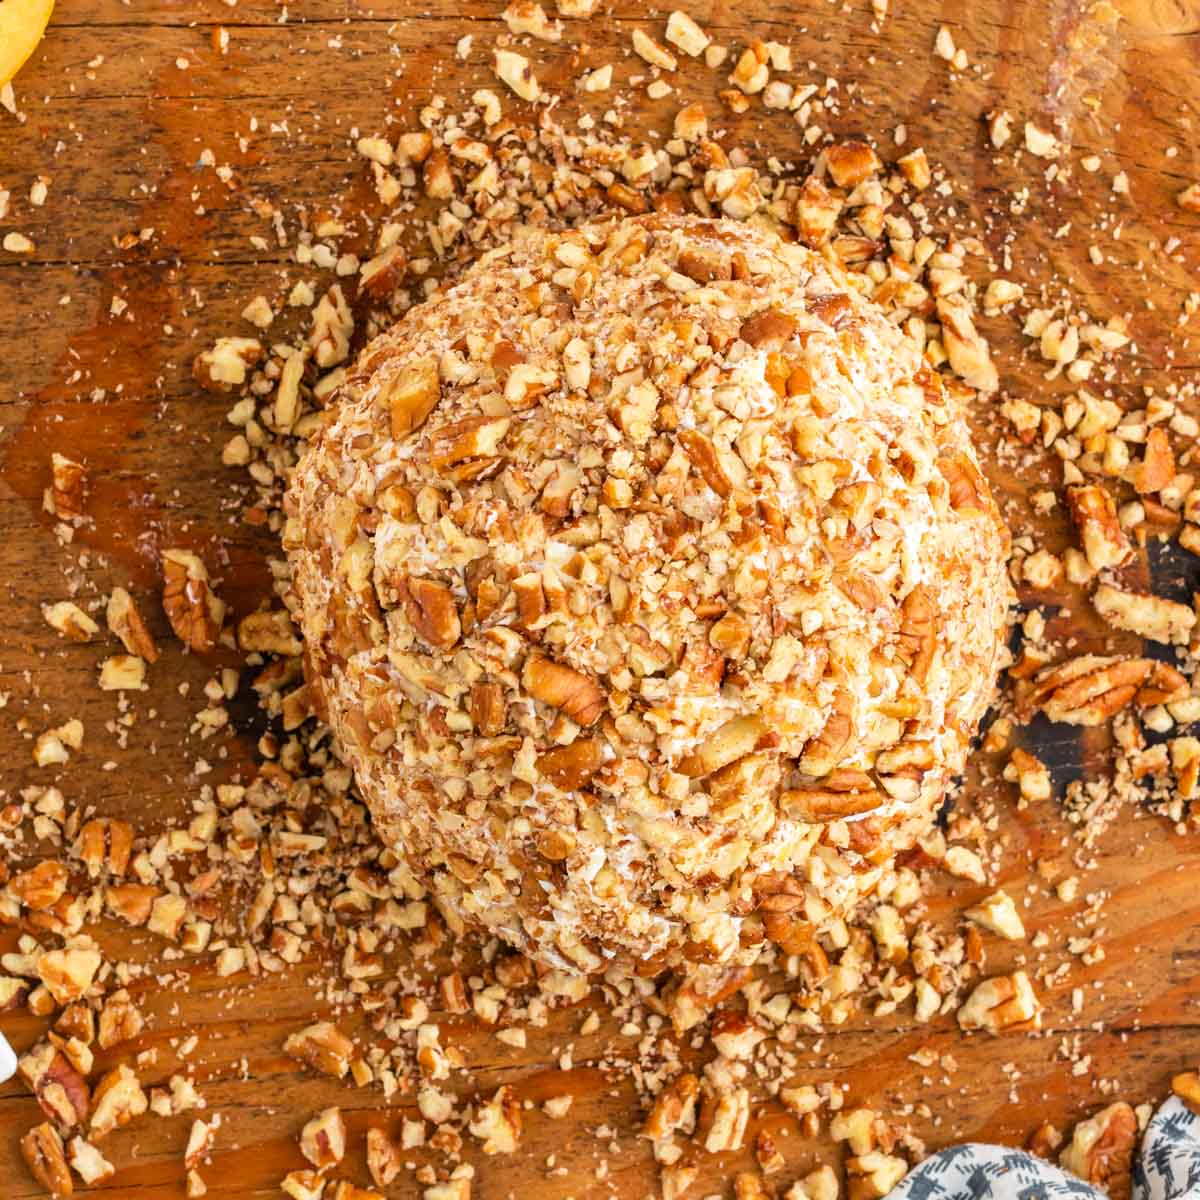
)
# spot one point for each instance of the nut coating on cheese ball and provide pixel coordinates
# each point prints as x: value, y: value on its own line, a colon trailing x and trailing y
x: 652, y: 589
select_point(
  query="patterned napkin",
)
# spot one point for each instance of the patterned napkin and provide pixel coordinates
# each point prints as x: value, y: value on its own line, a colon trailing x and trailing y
x: 1168, y: 1168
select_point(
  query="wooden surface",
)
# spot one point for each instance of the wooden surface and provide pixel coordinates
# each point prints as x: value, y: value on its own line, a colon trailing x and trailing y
x: 119, y: 128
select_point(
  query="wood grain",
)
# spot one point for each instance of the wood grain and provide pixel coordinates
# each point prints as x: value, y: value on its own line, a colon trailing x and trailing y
x: 121, y: 140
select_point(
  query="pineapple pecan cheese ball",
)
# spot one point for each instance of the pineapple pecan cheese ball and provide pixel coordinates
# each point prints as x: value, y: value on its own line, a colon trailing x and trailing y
x: 651, y: 588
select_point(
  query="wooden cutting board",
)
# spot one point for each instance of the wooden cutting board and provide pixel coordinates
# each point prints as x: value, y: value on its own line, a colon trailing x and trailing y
x: 117, y: 107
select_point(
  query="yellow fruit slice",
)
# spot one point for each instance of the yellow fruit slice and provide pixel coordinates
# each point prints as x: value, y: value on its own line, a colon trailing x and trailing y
x: 22, y: 24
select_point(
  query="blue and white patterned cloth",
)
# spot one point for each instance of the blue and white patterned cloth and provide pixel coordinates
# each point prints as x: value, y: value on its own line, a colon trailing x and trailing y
x: 1168, y: 1168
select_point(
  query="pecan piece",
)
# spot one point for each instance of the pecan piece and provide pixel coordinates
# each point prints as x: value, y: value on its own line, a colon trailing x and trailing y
x: 1087, y: 690
x: 1101, y: 1147
x: 704, y: 264
x: 767, y: 329
x: 824, y: 751
x: 105, y: 843
x: 90, y: 1165
x: 704, y: 457
x: 969, y: 355
x: 60, y: 1090
x: 851, y: 163
x: 497, y: 1124
x: 473, y: 437
x: 118, y: 1099
x: 966, y: 483
x: 381, y: 275
x: 223, y: 367
x: 193, y: 609
x: 1157, y: 468
x: 733, y: 740
x: 323, y: 1047
x: 1148, y: 616
x: 70, y: 620
x: 570, y: 767
x: 917, y: 638
x: 489, y: 713
x: 1095, y: 514
x: 821, y: 805
x: 269, y: 632
x: 432, y: 612
x: 563, y: 687
x: 411, y: 395
x: 1002, y: 1002
x: 674, y: 1109
x: 67, y: 974
x: 323, y: 1139
x: 384, y: 1159
x: 724, y: 1114
x: 815, y: 213
x: 126, y: 622
x: 42, y: 1150
x: 68, y: 487
x: 40, y: 887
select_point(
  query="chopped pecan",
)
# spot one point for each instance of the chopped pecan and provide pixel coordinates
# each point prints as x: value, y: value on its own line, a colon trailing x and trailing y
x: 724, y: 1114
x: 1186, y: 1085
x: 120, y: 1021
x: 193, y: 609
x: 730, y: 636
x: 816, y: 212
x: 68, y: 487
x: 89, y: 1164
x: 470, y: 438
x: 303, y: 1185
x: 1002, y: 1002
x: 1157, y: 468
x: 497, y: 1124
x: 824, y: 752
x: 431, y: 611
x: 269, y: 632
x: 851, y: 163
x: 821, y: 805
x: 380, y: 276
x: 738, y: 737
x: 1031, y: 776
x: 323, y: 1139
x: 323, y: 1047
x: 42, y: 1150
x: 570, y: 767
x: 704, y: 458
x: 489, y: 713
x: 223, y: 367
x: 969, y: 355
x: 132, y: 902
x: 105, y: 844
x: 411, y: 395
x: 40, y: 887
x: 118, y: 1099
x: 917, y: 638
x: 68, y: 973
x: 1087, y: 690
x: 873, y: 1175
x: 781, y: 905
x: 967, y: 485
x: 384, y: 1159
x: 674, y: 1109
x: 59, y: 1088
x: 70, y: 620
x: 767, y: 329
x: 704, y: 264
x: 332, y: 325
x: 1095, y: 514
x: 1101, y: 1148
x: 734, y: 1035
x: 1149, y: 616
x: 126, y: 622
x: 563, y: 687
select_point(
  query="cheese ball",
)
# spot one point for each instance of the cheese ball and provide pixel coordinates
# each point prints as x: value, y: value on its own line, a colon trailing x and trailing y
x: 651, y: 587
